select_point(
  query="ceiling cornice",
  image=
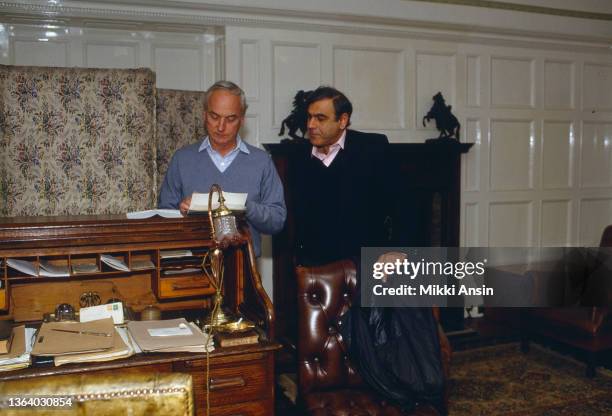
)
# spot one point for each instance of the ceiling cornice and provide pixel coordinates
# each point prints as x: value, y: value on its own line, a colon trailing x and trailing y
x: 526, y: 8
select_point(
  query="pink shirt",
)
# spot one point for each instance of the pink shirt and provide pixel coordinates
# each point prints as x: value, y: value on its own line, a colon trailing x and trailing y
x: 328, y: 158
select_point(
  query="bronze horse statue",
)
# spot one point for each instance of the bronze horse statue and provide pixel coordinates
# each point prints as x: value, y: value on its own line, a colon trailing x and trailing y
x: 296, y: 120
x: 446, y: 122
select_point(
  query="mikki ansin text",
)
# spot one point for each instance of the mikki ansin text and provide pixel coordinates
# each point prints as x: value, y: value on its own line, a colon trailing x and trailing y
x: 412, y: 270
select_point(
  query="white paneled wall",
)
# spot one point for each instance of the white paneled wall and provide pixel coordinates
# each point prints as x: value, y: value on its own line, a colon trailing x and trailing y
x: 180, y: 60
x: 540, y: 170
x: 379, y: 74
x: 543, y: 149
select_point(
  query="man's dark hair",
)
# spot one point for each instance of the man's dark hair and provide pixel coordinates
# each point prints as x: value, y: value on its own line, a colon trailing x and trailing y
x: 341, y: 103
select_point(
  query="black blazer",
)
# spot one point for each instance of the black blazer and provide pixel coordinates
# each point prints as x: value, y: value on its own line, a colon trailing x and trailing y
x: 365, y: 197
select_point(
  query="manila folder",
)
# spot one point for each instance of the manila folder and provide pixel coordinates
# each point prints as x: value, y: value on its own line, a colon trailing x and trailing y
x: 79, y: 339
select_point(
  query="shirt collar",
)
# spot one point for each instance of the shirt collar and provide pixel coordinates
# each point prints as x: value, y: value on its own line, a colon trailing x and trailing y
x: 240, y: 145
x: 339, y: 144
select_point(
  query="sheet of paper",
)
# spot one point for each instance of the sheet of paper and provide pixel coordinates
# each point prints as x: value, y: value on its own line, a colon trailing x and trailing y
x: 233, y: 201
x: 186, y: 270
x: 180, y: 330
x: 165, y: 213
x: 167, y: 254
x: 23, y: 266
x: 114, y: 262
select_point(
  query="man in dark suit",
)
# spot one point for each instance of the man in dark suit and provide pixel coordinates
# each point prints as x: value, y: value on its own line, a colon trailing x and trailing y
x: 344, y: 198
x: 342, y: 183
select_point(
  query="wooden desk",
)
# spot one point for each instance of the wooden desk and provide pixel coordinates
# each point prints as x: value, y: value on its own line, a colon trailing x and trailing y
x: 68, y: 241
x: 241, y: 378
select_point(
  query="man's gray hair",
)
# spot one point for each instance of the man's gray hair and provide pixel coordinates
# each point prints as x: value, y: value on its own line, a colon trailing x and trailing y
x: 230, y: 87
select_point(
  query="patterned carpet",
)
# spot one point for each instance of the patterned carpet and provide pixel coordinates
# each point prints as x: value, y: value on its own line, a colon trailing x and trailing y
x: 500, y: 380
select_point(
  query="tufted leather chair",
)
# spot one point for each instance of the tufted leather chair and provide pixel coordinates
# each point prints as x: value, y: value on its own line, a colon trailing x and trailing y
x: 134, y: 394
x: 328, y: 383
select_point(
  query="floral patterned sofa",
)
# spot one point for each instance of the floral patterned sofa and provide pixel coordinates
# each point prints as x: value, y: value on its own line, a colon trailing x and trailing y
x: 179, y: 122
x: 88, y: 141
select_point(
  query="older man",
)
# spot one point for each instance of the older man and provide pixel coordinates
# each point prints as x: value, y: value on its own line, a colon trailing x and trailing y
x: 224, y: 158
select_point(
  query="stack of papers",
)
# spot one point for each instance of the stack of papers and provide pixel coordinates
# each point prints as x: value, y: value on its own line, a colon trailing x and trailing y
x: 20, y: 347
x: 173, y: 335
x: 114, y: 262
x: 82, y: 268
x: 122, y: 348
x: 142, y: 265
x: 80, y: 342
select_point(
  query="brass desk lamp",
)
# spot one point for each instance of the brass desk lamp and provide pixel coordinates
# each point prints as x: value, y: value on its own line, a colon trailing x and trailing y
x: 224, y: 231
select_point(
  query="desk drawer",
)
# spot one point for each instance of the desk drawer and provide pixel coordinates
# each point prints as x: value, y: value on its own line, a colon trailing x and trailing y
x: 184, y: 286
x: 3, y: 298
x: 260, y: 408
x: 237, y: 382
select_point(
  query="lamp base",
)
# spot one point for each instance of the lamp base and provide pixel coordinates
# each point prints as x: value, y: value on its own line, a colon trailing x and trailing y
x: 218, y: 319
x: 226, y: 322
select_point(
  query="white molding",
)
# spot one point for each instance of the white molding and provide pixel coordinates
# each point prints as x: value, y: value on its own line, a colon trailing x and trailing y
x: 189, y: 16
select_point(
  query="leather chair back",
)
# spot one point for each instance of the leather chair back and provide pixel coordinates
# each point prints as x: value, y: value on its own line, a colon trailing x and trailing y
x: 324, y: 294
